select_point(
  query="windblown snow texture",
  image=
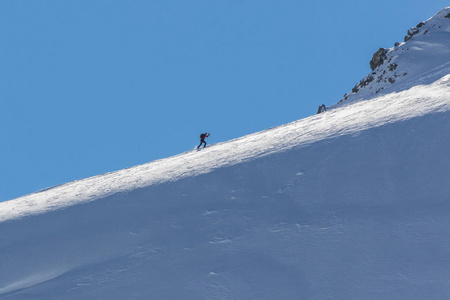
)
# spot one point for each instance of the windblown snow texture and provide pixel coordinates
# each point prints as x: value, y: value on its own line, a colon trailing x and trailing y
x: 352, y: 203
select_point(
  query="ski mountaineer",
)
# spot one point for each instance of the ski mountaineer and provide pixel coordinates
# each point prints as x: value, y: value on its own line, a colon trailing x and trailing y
x: 203, y: 136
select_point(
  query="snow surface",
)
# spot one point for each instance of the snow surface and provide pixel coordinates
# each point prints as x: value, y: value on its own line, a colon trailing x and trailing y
x: 352, y: 203
x: 420, y: 60
x: 348, y: 204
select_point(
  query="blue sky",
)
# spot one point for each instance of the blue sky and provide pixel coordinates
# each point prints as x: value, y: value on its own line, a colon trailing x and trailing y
x: 88, y: 87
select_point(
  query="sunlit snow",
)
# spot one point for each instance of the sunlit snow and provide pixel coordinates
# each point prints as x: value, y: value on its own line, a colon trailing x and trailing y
x: 352, y: 203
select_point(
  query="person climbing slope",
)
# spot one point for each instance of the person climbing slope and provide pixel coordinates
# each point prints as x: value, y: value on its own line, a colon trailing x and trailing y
x: 203, y: 136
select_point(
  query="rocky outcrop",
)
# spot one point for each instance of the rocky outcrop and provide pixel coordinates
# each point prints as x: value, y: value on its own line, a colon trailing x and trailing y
x: 321, y: 109
x: 378, y: 58
x: 413, y: 31
x: 363, y: 83
x: 384, y: 71
x: 390, y: 66
x: 420, y: 24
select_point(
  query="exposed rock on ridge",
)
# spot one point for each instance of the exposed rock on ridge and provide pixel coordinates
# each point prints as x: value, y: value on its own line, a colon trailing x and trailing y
x: 426, y: 48
x: 378, y: 58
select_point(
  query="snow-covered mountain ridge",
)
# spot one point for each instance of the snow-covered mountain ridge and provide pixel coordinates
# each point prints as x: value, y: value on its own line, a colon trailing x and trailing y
x: 352, y: 203
x: 396, y: 107
x: 348, y: 204
x: 422, y: 58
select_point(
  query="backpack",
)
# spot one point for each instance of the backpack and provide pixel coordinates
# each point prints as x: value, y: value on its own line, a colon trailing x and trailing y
x: 202, y: 136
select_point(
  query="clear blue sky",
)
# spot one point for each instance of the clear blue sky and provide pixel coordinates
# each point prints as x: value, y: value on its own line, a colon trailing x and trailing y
x: 88, y: 87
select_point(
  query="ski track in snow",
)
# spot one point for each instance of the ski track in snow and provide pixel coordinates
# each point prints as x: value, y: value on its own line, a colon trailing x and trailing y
x: 345, y: 120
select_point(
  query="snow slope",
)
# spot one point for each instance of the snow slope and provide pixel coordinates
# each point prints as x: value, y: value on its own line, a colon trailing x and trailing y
x: 352, y: 203
x: 423, y: 58
x: 349, y: 204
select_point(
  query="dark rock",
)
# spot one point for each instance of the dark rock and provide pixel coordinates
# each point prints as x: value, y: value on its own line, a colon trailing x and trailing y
x: 391, y: 80
x: 411, y: 32
x: 322, y: 108
x: 378, y: 58
x: 420, y: 24
x: 392, y: 67
x: 447, y: 16
x: 368, y: 80
x: 363, y: 83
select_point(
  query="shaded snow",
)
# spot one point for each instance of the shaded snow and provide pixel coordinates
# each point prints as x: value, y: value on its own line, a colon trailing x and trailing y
x: 395, y: 107
x: 348, y: 204
x: 352, y: 203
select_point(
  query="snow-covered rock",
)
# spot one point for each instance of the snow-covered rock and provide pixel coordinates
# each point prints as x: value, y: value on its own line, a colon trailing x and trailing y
x: 348, y: 204
x: 352, y: 203
x: 422, y: 58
